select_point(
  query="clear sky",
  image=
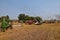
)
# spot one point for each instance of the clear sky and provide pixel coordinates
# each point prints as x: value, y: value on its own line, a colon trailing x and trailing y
x: 44, y: 8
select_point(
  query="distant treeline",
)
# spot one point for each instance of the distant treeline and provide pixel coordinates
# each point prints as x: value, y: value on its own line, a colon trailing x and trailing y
x: 23, y: 17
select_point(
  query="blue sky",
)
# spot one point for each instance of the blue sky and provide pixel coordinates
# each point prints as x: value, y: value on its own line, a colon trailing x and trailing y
x: 47, y: 9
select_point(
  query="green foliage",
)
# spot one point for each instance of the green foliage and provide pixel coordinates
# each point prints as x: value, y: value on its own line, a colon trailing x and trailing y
x: 21, y: 16
x: 0, y: 19
x: 32, y: 18
x: 24, y: 17
x: 38, y: 18
x: 27, y: 17
x: 5, y: 22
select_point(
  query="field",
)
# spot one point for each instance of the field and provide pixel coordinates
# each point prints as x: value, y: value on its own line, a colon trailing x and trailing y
x: 32, y: 32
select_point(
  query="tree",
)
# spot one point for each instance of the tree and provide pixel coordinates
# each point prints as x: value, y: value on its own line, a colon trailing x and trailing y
x: 24, y: 17
x: 0, y: 19
x: 7, y: 18
x: 27, y: 17
x: 38, y: 18
x: 32, y: 18
x: 21, y: 17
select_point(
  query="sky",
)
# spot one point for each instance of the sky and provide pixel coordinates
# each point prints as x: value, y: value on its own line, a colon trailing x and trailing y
x: 47, y: 9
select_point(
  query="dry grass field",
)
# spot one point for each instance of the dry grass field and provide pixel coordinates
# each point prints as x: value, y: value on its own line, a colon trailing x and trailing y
x: 33, y: 32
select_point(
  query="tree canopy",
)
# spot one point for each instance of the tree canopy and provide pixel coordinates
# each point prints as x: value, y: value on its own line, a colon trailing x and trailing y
x: 24, y: 17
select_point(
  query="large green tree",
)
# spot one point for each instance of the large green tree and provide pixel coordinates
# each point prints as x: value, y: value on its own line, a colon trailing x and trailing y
x: 21, y: 17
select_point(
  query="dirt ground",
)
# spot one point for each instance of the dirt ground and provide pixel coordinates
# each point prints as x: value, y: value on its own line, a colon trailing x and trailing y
x: 32, y: 32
